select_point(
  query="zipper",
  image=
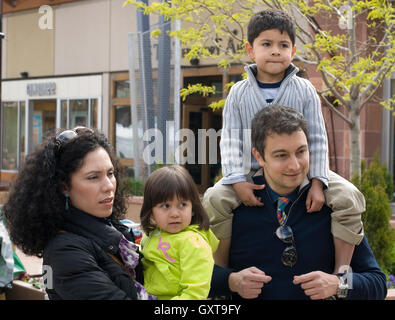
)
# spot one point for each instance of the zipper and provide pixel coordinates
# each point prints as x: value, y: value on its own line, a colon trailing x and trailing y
x: 297, y: 199
x: 281, y: 89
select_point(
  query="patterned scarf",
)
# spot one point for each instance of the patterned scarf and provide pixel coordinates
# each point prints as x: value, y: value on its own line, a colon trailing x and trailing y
x: 130, y: 257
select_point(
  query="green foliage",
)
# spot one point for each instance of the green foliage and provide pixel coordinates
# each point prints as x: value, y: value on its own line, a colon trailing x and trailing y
x: 349, y: 64
x: 354, y: 49
x: 376, y: 185
x: 134, y: 187
x: 197, y: 88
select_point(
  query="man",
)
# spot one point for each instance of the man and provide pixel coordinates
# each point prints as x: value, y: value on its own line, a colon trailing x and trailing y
x: 279, y: 251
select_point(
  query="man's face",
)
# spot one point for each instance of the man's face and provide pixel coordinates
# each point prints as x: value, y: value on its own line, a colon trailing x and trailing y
x: 273, y: 52
x: 286, y: 161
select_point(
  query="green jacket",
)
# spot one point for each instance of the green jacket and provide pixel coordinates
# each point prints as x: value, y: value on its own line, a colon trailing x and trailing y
x: 179, y: 266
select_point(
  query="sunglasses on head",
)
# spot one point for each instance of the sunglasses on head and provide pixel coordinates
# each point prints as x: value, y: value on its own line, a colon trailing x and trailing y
x: 68, y: 135
x: 289, y: 255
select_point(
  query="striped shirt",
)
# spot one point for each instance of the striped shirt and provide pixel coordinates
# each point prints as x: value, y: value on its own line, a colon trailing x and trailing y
x: 245, y: 100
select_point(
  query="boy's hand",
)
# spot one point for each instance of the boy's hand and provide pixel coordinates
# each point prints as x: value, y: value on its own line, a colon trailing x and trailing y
x: 245, y: 192
x: 315, y: 198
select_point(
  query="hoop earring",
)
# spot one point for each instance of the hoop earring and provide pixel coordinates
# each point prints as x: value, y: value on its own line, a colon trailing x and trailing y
x: 66, y: 207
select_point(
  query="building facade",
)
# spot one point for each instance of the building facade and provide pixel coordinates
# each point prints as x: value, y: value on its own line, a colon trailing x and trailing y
x: 65, y: 63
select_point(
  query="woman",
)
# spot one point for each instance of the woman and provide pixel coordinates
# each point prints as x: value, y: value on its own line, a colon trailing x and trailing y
x: 65, y: 207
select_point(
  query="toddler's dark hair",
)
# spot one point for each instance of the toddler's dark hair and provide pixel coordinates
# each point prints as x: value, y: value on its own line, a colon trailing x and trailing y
x: 165, y: 183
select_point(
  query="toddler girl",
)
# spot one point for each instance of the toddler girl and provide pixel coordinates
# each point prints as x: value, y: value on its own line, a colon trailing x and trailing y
x: 177, y: 245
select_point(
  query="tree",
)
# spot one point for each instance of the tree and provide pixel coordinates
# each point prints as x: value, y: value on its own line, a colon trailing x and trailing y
x: 353, y: 64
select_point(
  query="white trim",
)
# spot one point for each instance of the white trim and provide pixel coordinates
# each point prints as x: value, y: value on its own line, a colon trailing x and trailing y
x: 76, y: 87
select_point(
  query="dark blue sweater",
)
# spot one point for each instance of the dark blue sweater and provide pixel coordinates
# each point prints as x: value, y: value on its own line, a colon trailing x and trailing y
x: 255, y: 244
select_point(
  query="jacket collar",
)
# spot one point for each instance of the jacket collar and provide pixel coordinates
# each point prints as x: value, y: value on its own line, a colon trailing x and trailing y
x: 88, y: 226
x: 252, y: 70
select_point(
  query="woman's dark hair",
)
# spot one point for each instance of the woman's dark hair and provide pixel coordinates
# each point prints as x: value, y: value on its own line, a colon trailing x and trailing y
x: 268, y: 20
x: 35, y: 209
x: 165, y: 183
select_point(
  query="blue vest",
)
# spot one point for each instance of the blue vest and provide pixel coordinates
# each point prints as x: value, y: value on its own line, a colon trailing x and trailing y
x: 254, y: 243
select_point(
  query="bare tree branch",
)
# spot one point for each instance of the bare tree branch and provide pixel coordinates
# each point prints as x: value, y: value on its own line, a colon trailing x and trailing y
x: 334, y: 109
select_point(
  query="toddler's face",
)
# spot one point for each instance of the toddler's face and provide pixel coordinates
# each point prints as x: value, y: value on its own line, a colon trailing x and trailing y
x: 273, y: 52
x: 173, y: 215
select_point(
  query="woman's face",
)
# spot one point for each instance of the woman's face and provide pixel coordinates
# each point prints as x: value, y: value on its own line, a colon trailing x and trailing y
x: 92, y: 186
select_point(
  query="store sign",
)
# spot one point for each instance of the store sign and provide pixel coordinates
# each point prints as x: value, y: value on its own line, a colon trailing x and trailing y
x: 41, y: 89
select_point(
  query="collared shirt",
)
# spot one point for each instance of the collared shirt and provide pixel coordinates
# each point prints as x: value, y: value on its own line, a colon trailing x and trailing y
x: 274, y: 195
x: 269, y: 90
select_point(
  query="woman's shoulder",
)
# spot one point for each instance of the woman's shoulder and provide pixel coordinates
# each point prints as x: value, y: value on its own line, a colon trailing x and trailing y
x: 65, y: 241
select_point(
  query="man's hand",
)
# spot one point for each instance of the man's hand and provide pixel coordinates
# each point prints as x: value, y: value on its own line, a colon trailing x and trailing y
x: 318, y: 284
x: 248, y: 283
x: 315, y: 198
x: 245, y: 192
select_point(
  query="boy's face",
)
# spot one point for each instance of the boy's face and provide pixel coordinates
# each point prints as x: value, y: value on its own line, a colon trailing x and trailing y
x: 286, y: 161
x: 273, y: 52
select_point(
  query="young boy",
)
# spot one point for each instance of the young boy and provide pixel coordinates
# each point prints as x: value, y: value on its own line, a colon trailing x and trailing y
x: 271, y: 44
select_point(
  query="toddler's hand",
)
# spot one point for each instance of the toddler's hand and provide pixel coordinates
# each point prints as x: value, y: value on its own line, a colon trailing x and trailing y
x: 315, y: 198
x: 245, y: 192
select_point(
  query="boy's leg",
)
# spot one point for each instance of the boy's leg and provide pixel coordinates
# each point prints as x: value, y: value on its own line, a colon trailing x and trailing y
x: 347, y: 204
x: 219, y: 202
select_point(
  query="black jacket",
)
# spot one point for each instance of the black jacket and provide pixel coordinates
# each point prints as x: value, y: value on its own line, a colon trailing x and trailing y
x: 79, y: 264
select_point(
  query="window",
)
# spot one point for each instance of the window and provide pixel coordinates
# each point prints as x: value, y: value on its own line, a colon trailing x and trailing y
x: 123, y: 132
x: 79, y: 112
x: 122, y: 89
x: 13, y: 135
x: 44, y: 120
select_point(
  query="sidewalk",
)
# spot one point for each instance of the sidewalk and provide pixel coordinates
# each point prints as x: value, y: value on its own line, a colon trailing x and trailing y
x: 33, y: 265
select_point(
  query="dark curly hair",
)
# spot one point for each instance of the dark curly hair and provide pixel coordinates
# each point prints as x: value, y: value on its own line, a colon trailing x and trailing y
x: 35, y: 209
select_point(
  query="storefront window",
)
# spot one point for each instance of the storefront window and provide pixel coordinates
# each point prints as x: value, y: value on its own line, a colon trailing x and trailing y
x: 22, y: 130
x: 44, y: 120
x: 63, y: 114
x: 94, y: 112
x: 122, y: 89
x: 123, y: 132
x: 79, y: 113
x: 10, y: 135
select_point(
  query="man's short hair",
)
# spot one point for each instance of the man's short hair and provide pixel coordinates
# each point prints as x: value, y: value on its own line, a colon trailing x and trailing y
x: 270, y: 19
x: 275, y: 119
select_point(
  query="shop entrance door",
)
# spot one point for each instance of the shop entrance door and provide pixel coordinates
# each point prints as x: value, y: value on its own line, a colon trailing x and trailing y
x: 42, y: 114
x: 203, y: 170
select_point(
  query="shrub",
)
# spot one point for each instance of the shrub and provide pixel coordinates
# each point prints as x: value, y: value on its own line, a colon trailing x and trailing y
x: 376, y: 185
x: 134, y: 187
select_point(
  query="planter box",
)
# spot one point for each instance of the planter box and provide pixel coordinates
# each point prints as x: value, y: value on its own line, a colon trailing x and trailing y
x: 23, y: 291
x: 134, y: 205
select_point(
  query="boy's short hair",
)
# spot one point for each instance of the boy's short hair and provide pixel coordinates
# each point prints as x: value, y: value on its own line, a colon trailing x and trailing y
x: 270, y: 19
x: 276, y: 119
